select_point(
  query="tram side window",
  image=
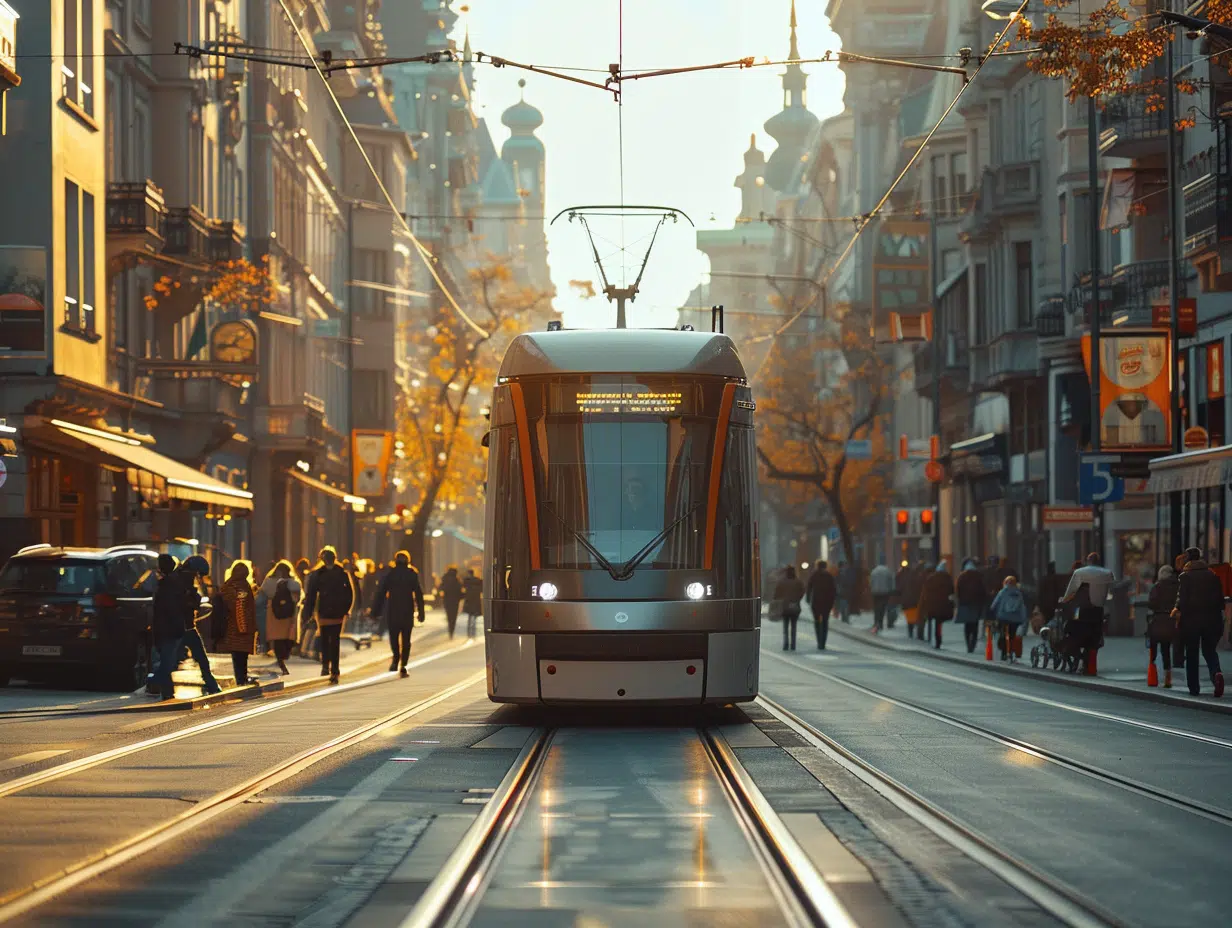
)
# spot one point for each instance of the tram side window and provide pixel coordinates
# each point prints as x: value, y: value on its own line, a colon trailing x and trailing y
x: 509, y: 557
x: 735, y: 571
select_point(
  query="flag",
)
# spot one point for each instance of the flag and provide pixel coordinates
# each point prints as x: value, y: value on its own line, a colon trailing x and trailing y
x: 197, y: 341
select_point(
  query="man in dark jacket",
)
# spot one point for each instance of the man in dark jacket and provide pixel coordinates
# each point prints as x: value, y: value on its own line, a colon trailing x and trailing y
x: 192, y: 571
x: 822, y: 591
x: 400, y: 597
x: 168, y: 627
x: 972, y: 597
x: 1199, y: 603
x: 330, y: 596
x: 451, y: 597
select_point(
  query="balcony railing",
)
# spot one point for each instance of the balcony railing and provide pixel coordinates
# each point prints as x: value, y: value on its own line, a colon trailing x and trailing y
x: 137, y: 209
x: 955, y: 362
x: 188, y: 234
x: 198, y: 394
x: 226, y: 240
x: 1050, y: 317
x: 296, y: 426
x: 1133, y: 127
x: 1134, y: 288
x: 1012, y: 356
x: 1208, y: 198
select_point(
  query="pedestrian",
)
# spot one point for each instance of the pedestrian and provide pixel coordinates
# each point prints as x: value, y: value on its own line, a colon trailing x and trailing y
x: 1009, y: 609
x: 1088, y: 589
x: 936, y: 601
x: 329, y: 598
x: 194, y: 569
x: 789, y: 591
x: 972, y: 597
x: 903, y: 583
x: 881, y: 586
x: 822, y: 591
x: 168, y: 625
x: 399, y: 598
x: 1161, y: 627
x: 911, y: 597
x: 1199, y: 608
x: 450, y: 592
x: 1178, y: 643
x: 846, y: 588
x: 240, y: 638
x: 472, y: 601
x: 278, y: 601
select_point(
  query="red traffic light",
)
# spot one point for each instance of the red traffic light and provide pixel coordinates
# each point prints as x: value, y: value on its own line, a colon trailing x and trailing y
x: 400, y: 510
x: 926, y: 516
x: 903, y: 516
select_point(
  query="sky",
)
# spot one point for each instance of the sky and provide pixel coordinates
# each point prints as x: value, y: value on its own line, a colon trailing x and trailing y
x: 684, y: 136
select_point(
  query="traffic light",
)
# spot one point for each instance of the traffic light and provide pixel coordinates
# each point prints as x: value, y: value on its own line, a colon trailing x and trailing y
x: 902, y: 522
x: 926, y: 522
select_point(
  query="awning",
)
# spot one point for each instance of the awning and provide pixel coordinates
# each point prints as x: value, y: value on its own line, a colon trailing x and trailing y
x: 1118, y: 199
x: 183, y: 482
x: 343, y: 495
x: 1192, y: 470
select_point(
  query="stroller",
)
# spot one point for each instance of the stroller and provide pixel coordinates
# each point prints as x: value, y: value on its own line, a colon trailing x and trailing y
x: 1064, y: 642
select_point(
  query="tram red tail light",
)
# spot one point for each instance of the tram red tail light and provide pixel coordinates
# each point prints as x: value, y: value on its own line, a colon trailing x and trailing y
x: 690, y: 670
x: 551, y: 669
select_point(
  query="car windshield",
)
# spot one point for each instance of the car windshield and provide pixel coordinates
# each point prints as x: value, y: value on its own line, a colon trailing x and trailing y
x: 60, y: 576
x: 622, y: 463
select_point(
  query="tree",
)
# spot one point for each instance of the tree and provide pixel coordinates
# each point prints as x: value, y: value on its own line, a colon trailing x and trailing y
x: 1102, y: 54
x: 440, y: 417
x: 238, y: 283
x: 807, y: 422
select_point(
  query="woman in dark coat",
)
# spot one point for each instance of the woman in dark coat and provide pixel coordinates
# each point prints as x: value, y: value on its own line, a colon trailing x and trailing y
x: 472, y: 601
x: 789, y: 591
x: 972, y: 597
x: 451, y: 595
x: 241, y: 635
x: 935, y: 602
x: 1161, y: 627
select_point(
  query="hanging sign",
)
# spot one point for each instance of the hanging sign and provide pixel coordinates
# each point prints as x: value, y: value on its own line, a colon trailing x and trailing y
x: 370, y: 455
x: 1135, y: 390
x: 1186, y: 316
x: 1196, y: 439
x: 1214, y: 371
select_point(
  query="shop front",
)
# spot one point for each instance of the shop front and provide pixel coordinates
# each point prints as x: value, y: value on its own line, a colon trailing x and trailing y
x: 978, y: 468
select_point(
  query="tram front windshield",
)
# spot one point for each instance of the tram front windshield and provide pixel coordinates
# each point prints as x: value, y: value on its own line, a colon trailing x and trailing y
x: 622, y: 468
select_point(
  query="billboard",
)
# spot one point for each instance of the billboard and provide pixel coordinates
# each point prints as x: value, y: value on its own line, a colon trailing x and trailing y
x: 1135, y: 390
x: 370, y: 456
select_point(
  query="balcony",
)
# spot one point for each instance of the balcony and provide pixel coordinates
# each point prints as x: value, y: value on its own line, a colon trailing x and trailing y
x: 1050, y: 317
x: 299, y: 427
x: 181, y: 391
x: 1011, y: 356
x: 1130, y: 131
x: 1136, y: 287
x: 226, y: 240
x: 136, y: 222
x: 1208, y: 202
x: 955, y: 371
x: 188, y: 234
x: 1005, y: 190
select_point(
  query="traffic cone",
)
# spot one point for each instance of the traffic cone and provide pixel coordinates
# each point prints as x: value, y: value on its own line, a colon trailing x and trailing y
x: 1091, y: 662
x: 988, y: 646
x: 1152, y: 675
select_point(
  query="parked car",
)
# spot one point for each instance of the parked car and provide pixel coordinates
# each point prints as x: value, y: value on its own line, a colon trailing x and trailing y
x: 82, y: 610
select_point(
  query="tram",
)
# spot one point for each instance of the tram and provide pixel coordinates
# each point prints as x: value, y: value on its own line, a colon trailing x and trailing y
x: 621, y: 556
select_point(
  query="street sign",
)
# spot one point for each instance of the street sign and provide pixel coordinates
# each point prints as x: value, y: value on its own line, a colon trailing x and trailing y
x: 860, y: 449
x: 1096, y: 484
x: 933, y: 472
x: 833, y: 536
x: 1068, y: 517
x: 1196, y: 438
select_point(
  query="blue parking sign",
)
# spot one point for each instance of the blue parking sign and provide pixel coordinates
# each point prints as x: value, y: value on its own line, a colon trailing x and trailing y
x: 1097, y: 485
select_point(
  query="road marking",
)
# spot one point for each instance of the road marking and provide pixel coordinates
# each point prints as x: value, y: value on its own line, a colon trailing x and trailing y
x: 12, y: 763
x: 85, y: 763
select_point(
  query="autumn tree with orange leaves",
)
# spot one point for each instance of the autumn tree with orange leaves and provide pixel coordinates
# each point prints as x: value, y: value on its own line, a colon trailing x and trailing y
x: 440, y: 417
x: 824, y: 391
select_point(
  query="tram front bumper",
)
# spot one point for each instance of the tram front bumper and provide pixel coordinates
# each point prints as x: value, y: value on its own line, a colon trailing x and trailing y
x: 728, y: 673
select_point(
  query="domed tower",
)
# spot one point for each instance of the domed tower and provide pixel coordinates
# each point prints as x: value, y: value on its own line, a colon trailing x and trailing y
x: 523, y: 152
x: 792, y: 126
x: 756, y: 197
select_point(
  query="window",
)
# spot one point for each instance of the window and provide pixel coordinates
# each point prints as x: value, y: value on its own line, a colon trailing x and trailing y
x: 995, y: 128
x: 371, y: 266
x: 72, y: 58
x: 940, y: 192
x: 1024, y: 285
x: 72, y: 255
x: 87, y: 261
x: 1063, y: 209
x: 981, y: 304
x: 23, y: 282
x: 371, y: 399
x: 78, y: 66
x: 958, y: 179
x: 141, y: 140
x: 115, y: 119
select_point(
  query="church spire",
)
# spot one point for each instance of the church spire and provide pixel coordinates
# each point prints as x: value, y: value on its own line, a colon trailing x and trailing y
x: 794, y: 78
x: 794, y: 53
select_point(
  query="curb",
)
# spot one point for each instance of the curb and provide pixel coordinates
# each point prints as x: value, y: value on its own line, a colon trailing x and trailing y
x: 1163, y: 698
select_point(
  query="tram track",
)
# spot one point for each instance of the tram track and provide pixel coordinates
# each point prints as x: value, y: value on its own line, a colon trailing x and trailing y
x: 1054, y: 896
x: 1129, y: 784
x: 21, y: 901
x: 802, y: 894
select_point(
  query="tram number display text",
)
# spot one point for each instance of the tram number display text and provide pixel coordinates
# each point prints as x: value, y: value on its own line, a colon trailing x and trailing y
x: 628, y: 402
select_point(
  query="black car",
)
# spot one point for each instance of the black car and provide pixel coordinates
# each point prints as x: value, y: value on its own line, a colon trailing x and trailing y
x: 78, y: 609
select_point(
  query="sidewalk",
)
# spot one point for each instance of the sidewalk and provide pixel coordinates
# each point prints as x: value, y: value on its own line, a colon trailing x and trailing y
x: 1122, y: 663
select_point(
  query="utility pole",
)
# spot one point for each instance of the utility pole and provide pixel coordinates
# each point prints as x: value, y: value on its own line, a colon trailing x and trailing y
x: 938, y: 367
x: 350, y: 375
x: 1174, y: 286
x: 1097, y: 510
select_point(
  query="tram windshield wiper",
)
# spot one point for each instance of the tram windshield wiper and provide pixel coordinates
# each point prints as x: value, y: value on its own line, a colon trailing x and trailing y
x: 632, y: 564
x: 584, y: 542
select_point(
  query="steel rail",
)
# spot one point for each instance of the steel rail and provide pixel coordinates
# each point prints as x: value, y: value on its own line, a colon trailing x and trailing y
x: 1052, y: 895
x: 783, y: 860
x: 21, y: 901
x: 450, y: 897
x: 1163, y: 796
x: 59, y: 771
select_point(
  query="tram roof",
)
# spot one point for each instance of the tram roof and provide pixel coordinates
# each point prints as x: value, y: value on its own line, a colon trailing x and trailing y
x: 622, y: 351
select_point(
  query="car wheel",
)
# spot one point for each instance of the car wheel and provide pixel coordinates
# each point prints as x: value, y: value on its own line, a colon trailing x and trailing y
x: 131, y: 668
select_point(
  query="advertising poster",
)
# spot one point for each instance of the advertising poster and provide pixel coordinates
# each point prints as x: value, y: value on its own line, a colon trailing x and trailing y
x: 1135, y: 390
x: 370, y: 455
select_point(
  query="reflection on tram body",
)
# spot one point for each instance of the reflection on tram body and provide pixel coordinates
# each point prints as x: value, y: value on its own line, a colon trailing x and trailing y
x: 621, y: 534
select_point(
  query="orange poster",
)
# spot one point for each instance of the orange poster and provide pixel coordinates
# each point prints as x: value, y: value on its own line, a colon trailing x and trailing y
x: 1135, y: 390
x: 1214, y: 370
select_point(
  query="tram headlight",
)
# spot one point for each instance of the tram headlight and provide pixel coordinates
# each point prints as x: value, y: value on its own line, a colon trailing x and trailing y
x: 695, y: 590
x: 547, y: 591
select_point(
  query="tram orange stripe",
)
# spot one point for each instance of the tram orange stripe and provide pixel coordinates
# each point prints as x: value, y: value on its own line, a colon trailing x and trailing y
x: 716, y: 470
x: 528, y: 473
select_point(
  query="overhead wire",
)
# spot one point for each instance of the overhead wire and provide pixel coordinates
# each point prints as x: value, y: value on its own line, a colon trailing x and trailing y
x: 872, y: 214
x: 425, y: 255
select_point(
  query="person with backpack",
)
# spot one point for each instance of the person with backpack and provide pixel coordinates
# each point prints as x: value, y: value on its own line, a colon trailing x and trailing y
x: 237, y: 598
x: 399, y: 597
x: 1009, y: 611
x: 278, y: 601
x: 330, y: 597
